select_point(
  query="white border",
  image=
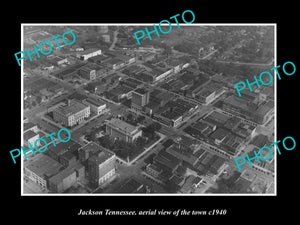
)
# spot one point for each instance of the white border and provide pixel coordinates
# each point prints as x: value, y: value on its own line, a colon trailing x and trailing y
x: 151, y: 24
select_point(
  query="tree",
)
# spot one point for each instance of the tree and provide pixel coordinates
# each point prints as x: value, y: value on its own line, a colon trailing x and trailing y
x: 105, y: 141
x: 155, y: 126
x: 141, y: 142
x: 38, y: 99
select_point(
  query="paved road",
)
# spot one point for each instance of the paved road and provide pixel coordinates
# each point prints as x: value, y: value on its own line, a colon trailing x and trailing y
x: 245, y: 63
x: 111, y: 48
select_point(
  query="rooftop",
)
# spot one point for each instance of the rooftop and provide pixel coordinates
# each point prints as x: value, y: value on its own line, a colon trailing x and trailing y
x: 182, y: 153
x: 28, y: 126
x: 72, y: 108
x: 102, y: 153
x: 101, y: 157
x: 130, y: 186
x: 43, y: 165
x: 29, y: 134
x: 59, y: 177
x: 95, y: 102
x: 88, y: 51
x: 171, y: 115
x: 141, y: 91
x: 63, y: 147
x: 122, y: 125
x: 166, y: 159
x: 114, y: 61
x: 219, y: 134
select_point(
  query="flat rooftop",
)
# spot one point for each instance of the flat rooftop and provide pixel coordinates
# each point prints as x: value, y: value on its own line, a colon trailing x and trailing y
x: 95, y: 102
x: 28, y: 125
x: 122, y: 125
x: 74, y: 107
x: 43, y: 165
x: 141, y: 91
x: 29, y: 134
x: 59, y: 177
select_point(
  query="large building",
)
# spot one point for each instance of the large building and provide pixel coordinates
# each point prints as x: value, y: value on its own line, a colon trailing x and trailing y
x: 71, y: 114
x: 119, y: 129
x: 89, y: 53
x: 87, y: 73
x: 140, y: 98
x: 248, y: 110
x: 41, y: 168
x: 66, y: 178
x: 97, y: 107
x: 101, y: 165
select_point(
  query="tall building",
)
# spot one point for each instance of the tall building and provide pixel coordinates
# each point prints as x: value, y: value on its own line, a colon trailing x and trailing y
x: 71, y: 114
x: 140, y: 98
x: 101, y: 166
x: 122, y: 130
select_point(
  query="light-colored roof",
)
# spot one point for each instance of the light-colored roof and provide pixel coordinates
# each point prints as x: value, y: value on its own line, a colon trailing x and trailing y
x: 122, y: 125
x: 74, y: 107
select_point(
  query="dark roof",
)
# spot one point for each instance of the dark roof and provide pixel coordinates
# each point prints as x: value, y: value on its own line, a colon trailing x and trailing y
x: 184, y: 154
x: 43, y: 165
x: 141, y: 90
x: 63, y: 147
x: 260, y: 140
x: 29, y: 134
x: 63, y: 174
x: 166, y: 159
x: 130, y: 186
x: 28, y: 126
x: 219, y: 134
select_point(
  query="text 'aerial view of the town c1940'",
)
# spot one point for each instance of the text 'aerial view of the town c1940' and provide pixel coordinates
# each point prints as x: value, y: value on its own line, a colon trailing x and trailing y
x: 159, y: 118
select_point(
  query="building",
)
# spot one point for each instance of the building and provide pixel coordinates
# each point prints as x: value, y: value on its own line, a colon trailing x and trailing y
x: 122, y: 130
x: 87, y: 73
x: 87, y: 151
x: 188, y: 185
x: 66, y: 178
x: 219, y: 135
x: 205, y: 96
x: 132, y: 186
x: 30, y: 126
x: 169, y: 118
x: 218, y: 165
x: 40, y: 168
x: 153, y: 170
x: 166, y: 161
x: 101, y: 166
x: 64, y: 152
x: 59, y: 61
x: 257, y: 114
x: 89, y: 53
x: 184, y: 154
x: 97, y: 107
x: 115, y: 63
x: 267, y: 93
x: 140, y: 98
x: 71, y: 114
x: 30, y: 137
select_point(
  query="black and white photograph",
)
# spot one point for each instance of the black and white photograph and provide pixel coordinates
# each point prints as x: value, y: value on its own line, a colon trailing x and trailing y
x: 149, y: 113
x: 163, y: 117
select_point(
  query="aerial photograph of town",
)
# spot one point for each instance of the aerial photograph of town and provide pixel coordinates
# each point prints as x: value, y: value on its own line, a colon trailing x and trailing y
x: 159, y: 117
